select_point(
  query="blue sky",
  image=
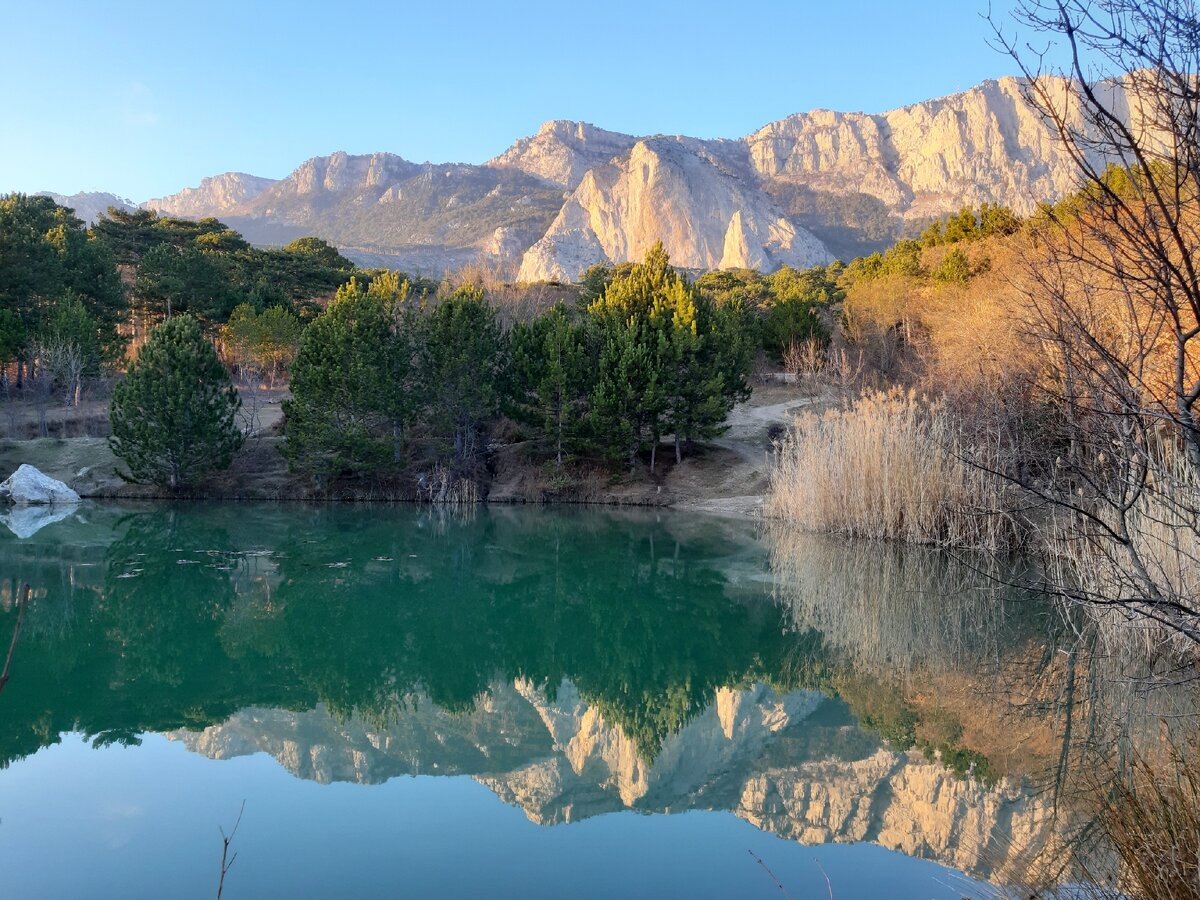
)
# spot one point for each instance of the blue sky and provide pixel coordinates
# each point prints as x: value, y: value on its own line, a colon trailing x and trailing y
x: 144, y: 98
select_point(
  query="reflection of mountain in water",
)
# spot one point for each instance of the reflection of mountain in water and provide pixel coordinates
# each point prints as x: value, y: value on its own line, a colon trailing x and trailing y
x: 574, y: 662
x: 794, y: 764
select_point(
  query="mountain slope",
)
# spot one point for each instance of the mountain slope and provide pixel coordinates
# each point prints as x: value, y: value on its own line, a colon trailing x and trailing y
x: 796, y: 191
x: 214, y: 196
x: 677, y: 191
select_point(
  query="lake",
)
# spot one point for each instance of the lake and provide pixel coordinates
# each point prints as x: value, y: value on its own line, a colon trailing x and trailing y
x: 513, y: 703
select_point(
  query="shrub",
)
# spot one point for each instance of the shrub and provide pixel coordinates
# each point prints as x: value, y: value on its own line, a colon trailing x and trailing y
x: 173, y: 417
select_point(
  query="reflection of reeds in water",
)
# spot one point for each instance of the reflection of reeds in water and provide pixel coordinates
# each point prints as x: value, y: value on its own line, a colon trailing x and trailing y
x: 887, y: 607
x: 890, y: 467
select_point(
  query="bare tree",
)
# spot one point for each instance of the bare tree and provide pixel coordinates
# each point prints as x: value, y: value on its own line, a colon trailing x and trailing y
x: 1114, y: 298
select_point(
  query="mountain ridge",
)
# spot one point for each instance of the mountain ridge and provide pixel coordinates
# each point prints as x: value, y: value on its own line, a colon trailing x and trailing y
x: 798, y: 191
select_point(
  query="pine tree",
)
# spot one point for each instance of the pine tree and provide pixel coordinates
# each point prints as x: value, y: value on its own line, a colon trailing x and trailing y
x: 669, y: 360
x: 551, y: 376
x: 173, y: 417
x: 348, y: 411
x: 462, y: 359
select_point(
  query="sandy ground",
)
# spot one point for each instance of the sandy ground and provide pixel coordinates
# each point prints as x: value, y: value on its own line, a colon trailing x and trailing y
x: 737, y: 484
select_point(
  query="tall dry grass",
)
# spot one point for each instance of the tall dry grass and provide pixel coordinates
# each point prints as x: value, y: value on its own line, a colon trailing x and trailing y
x: 892, y: 466
x: 1150, y: 581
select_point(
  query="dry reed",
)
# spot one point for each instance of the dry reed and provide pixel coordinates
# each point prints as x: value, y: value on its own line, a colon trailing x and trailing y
x: 891, y: 466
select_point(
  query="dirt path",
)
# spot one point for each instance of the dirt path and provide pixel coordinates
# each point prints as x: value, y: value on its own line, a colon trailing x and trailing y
x: 734, y: 477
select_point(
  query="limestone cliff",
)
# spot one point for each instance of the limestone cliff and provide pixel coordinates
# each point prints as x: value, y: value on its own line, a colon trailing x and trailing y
x: 794, y: 192
x: 215, y: 196
x: 679, y: 191
x: 984, y: 144
x: 563, y: 152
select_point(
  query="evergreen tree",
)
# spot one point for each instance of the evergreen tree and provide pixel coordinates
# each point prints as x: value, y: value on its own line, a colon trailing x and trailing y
x: 669, y: 360
x: 46, y: 255
x: 711, y: 352
x: 463, y: 359
x: 630, y: 323
x: 351, y: 392
x: 173, y: 416
x: 551, y: 376
x: 188, y: 280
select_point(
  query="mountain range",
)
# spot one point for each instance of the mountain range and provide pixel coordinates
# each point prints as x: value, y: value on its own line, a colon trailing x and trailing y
x: 799, y: 191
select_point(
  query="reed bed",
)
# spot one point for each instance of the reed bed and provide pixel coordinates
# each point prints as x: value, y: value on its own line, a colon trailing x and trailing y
x: 892, y: 466
x: 1150, y: 582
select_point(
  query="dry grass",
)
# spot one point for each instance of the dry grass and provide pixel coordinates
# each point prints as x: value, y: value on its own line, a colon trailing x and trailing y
x: 1152, y: 821
x: 1149, y: 584
x: 891, y: 466
x: 442, y: 487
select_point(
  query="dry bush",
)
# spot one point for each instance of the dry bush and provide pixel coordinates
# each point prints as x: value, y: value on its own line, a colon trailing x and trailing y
x: 880, y: 322
x: 442, y: 487
x: 802, y: 358
x: 1142, y: 591
x: 892, y: 466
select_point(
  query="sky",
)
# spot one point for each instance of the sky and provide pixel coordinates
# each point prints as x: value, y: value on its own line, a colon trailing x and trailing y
x: 144, y: 98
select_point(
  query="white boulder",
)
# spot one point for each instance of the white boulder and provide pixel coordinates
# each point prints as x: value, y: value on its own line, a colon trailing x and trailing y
x: 30, y: 487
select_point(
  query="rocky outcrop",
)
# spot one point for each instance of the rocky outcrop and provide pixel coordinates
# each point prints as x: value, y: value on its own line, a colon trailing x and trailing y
x: 563, y: 152
x: 215, y: 196
x: 29, y: 487
x: 678, y: 191
x: 927, y: 159
x: 572, y: 194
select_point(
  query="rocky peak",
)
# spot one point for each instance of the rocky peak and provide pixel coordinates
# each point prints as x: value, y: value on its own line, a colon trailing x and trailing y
x: 562, y: 151
x: 89, y: 205
x: 214, y: 196
x: 675, y: 190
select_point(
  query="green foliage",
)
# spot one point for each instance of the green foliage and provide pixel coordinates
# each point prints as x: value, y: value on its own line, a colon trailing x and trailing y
x: 954, y: 268
x: 320, y: 252
x: 185, y: 280
x: 463, y: 356
x: 47, y: 257
x: 969, y: 225
x: 667, y: 360
x: 69, y: 323
x: 350, y: 385
x: 902, y: 258
x: 551, y: 376
x: 207, y: 269
x: 264, y: 343
x: 173, y: 416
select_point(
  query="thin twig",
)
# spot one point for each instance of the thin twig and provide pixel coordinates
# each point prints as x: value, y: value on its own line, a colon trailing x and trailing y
x: 12, y: 647
x: 767, y: 869
x: 828, y: 883
x: 227, y: 861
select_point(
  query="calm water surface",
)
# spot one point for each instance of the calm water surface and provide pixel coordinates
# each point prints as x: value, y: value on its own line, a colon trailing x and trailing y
x: 524, y: 703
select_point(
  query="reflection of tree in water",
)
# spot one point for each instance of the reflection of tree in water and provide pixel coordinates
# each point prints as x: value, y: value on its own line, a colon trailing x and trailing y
x: 640, y: 624
x: 197, y: 613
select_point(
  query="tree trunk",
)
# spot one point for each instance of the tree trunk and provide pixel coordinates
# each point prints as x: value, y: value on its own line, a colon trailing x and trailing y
x: 653, y: 454
x: 678, y: 450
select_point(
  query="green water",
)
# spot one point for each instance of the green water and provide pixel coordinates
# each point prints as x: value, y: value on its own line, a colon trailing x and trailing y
x: 425, y: 704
